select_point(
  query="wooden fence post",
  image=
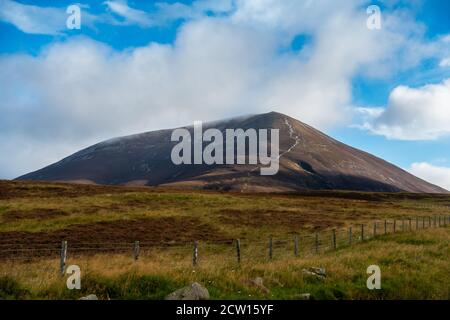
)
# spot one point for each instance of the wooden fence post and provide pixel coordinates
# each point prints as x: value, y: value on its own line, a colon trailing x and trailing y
x: 296, y: 245
x: 423, y: 222
x: 317, y: 242
x: 195, y: 254
x: 334, y: 239
x: 435, y: 221
x: 270, y: 248
x: 238, y: 250
x: 350, y: 236
x: 395, y: 225
x: 374, y: 229
x: 136, y: 250
x: 417, y: 223
x: 385, y: 227
x: 362, y: 232
x: 429, y: 222
x: 439, y: 221
x: 63, y: 257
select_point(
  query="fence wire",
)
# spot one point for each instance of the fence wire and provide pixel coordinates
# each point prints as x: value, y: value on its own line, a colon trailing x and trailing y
x: 188, y: 254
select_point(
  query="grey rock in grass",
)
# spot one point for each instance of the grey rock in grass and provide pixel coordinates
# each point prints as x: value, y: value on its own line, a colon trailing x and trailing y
x: 305, y: 296
x: 89, y: 297
x: 318, y: 272
x: 195, y: 291
x: 258, y: 282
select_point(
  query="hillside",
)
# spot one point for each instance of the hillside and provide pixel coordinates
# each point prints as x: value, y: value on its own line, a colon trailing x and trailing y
x: 310, y: 160
x: 101, y: 223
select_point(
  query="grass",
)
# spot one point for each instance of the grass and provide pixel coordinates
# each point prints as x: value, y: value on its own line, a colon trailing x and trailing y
x: 413, y: 265
x: 235, y: 215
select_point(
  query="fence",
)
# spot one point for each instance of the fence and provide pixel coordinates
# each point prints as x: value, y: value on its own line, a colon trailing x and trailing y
x: 299, y: 244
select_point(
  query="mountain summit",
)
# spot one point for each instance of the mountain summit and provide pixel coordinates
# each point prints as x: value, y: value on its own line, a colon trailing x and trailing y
x: 310, y: 160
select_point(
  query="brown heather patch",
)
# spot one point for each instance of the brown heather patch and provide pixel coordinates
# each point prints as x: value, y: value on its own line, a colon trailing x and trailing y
x: 112, y: 235
x: 38, y: 213
x: 277, y: 218
x: 39, y: 189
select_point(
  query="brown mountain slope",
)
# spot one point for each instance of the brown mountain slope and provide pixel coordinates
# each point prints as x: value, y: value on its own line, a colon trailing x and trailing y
x: 310, y: 161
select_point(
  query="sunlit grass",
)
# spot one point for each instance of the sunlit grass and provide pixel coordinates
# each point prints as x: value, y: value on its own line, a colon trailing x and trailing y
x: 413, y: 265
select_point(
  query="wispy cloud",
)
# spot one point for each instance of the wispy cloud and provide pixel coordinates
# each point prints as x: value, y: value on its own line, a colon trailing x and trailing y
x: 130, y: 15
x: 445, y: 63
x: 166, y: 12
x: 33, y: 19
x: 51, y: 21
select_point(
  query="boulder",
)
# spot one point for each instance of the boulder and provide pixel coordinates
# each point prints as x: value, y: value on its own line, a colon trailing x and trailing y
x: 258, y: 282
x: 195, y: 291
x: 318, y: 272
x: 89, y: 297
x: 305, y: 296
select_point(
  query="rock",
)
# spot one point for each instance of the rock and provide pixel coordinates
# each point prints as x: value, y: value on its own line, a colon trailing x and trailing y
x: 305, y: 296
x: 195, y: 291
x: 258, y: 282
x: 89, y: 297
x: 318, y: 272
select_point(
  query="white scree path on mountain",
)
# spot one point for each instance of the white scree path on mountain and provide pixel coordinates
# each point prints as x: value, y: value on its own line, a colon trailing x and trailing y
x: 292, y: 135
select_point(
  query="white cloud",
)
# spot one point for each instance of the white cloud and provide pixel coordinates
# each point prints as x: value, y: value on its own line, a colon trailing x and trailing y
x: 435, y: 174
x: 445, y: 63
x: 445, y: 49
x: 166, y: 12
x: 80, y: 91
x: 33, y: 19
x: 370, y: 113
x: 177, y: 10
x: 131, y: 16
x: 415, y: 113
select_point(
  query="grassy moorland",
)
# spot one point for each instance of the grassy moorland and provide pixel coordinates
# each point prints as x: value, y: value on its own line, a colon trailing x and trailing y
x: 100, y: 219
x: 413, y: 266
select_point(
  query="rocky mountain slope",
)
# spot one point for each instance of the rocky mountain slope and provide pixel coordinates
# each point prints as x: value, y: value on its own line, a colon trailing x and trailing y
x: 310, y: 160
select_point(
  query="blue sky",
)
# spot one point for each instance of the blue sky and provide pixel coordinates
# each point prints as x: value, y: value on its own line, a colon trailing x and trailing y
x: 141, y: 65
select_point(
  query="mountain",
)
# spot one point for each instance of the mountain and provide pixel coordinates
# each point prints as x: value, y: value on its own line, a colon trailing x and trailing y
x: 310, y: 160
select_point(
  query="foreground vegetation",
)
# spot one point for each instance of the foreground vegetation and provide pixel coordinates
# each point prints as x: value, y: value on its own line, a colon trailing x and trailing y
x: 414, y: 265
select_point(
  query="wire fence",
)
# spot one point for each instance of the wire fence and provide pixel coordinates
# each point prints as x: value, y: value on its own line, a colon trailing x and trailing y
x: 195, y: 253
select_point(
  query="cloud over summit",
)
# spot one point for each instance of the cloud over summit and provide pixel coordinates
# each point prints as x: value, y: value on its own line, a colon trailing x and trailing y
x: 78, y: 91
